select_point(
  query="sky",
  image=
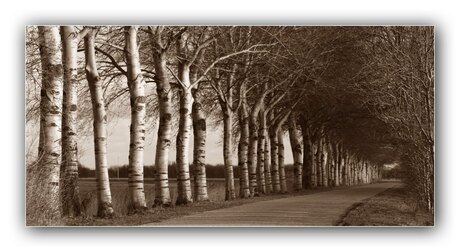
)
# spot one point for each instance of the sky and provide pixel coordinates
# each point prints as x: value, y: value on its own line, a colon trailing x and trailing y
x: 118, y: 145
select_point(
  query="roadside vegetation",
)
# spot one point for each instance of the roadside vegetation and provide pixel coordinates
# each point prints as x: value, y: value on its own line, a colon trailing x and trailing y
x: 393, y: 207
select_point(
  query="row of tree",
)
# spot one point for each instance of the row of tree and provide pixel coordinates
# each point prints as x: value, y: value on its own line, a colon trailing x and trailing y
x: 332, y: 88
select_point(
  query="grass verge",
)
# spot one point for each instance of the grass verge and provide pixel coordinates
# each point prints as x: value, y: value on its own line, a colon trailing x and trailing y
x: 392, y: 207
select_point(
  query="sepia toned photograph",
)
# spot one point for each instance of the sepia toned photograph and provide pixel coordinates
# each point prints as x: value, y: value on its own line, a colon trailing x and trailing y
x: 229, y: 126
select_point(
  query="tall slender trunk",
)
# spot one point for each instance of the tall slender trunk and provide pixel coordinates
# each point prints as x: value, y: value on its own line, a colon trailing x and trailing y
x: 104, y: 198
x: 184, y: 193
x: 313, y: 162
x: 228, y: 157
x: 243, y: 150
x: 200, y: 191
x: 164, y: 92
x: 260, y: 154
x: 337, y: 164
x: 49, y: 162
x: 252, y: 156
x: 274, y: 144
x: 70, y: 195
x: 344, y: 167
x: 324, y: 156
x: 267, y: 168
x: 226, y: 106
x: 319, y: 168
x: 282, y: 171
x: 306, y: 163
x: 136, y: 85
x: 296, y: 152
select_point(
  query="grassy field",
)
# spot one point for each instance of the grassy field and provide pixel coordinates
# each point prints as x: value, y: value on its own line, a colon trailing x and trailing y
x: 393, y: 207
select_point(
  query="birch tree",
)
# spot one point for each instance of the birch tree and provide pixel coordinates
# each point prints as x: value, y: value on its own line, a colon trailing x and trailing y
x: 104, y: 197
x: 187, y: 55
x: 49, y: 149
x: 200, y: 189
x: 136, y: 85
x: 282, y: 171
x: 296, y: 152
x: 70, y: 194
x: 274, y: 134
x: 243, y: 146
x: 160, y: 45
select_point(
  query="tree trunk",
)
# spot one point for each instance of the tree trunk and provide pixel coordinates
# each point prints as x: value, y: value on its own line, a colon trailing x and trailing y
x: 274, y: 144
x: 252, y: 156
x: 104, y: 197
x: 313, y: 165
x: 281, y: 162
x: 70, y: 195
x: 324, y: 156
x: 260, y: 155
x: 319, y: 168
x: 136, y: 87
x: 200, y: 191
x: 48, y: 169
x: 344, y: 168
x: 296, y: 153
x: 243, y: 150
x: 164, y: 92
x: 228, y: 157
x: 306, y: 163
x: 184, y: 193
x: 226, y: 107
x: 267, y: 168
x: 336, y: 164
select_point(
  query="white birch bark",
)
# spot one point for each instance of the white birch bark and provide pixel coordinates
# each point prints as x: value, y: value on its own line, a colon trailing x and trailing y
x: 274, y: 145
x: 228, y: 157
x: 319, y: 168
x: 253, y: 141
x: 282, y: 171
x: 200, y: 191
x: 243, y: 149
x: 324, y: 156
x: 262, y: 189
x: 226, y: 104
x: 70, y: 195
x: 313, y: 163
x: 296, y: 152
x: 267, y: 168
x: 136, y: 85
x: 104, y: 198
x: 164, y: 92
x: 48, y: 169
x: 306, y: 163
x: 184, y: 192
x: 337, y: 165
x: 274, y: 135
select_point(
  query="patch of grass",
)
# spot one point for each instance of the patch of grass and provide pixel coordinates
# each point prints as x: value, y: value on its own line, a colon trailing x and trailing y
x: 392, y: 207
